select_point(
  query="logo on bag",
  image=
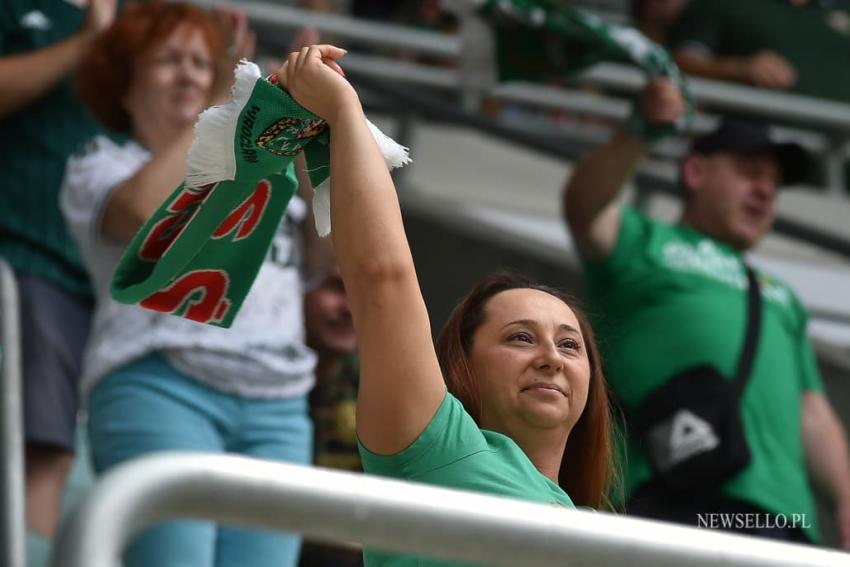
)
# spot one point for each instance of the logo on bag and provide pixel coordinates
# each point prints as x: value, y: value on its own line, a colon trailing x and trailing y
x: 247, y: 216
x: 679, y: 438
x: 287, y: 136
x: 35, y: 20
x: 198, y: 295
x: 690, y: 435
x: 182, y: 210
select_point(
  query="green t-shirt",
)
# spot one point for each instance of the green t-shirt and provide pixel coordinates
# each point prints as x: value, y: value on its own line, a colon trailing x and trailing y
x: 454, y: 452
x: 669, y: 297
x: 815, y: 38
x: 35, y: 143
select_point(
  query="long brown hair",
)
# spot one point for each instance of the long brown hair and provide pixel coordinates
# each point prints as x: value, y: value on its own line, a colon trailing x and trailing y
x: 106, y: 71
x: 587, y: 467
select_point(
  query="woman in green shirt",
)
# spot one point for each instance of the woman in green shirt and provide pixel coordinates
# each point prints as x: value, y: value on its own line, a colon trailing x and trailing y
x: 526, y: 414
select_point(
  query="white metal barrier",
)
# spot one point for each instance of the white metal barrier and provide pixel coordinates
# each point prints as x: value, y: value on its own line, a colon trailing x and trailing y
x: 394, y: 516
x: 12, y: 506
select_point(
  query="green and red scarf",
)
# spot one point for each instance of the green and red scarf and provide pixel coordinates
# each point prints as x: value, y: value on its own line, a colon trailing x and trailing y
x: 198, y: 255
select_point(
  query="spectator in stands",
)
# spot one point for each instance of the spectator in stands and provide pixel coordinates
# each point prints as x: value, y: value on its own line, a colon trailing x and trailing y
x: 156, y: 382
x: 41, y: 123
x: 330, y: 333
x: 794, y: 45
x: 655, y: 17
x: 671, y: 297
x: 527, y: 416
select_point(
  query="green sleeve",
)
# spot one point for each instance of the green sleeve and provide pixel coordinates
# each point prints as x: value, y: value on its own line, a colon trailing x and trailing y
x: 810, y: 378
x: 450, y: 436
x: 809, y: 375
x: 699, y: 26
x: 807, y: 365
x: 631, y: 241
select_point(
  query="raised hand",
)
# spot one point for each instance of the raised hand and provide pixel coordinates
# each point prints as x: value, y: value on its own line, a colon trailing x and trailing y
x: 99, y: 15
x: 661, y: 102
x: 317, y: 82
x: 770, y: 70
x: 240, y: 42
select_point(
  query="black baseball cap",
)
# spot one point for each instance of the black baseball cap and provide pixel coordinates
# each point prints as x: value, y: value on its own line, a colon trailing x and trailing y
x: 743, y: 135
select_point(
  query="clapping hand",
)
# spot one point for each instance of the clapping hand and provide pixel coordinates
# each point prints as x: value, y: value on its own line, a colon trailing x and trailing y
x: 240, y: 42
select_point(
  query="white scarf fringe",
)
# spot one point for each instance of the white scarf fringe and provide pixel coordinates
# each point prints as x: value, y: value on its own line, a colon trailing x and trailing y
x: 212, y: 157
x: 395, y: 155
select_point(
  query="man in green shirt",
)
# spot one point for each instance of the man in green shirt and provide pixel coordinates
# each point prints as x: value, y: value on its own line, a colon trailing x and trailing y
x: 41, y: 124
x: 669, y: 297
x: 796, y: 45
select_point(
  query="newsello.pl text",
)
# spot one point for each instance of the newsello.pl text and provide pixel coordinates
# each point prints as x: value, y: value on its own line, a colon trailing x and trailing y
x: 749, y: 521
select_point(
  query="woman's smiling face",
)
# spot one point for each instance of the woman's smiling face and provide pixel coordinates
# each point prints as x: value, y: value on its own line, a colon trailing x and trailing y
x: 530, y: 362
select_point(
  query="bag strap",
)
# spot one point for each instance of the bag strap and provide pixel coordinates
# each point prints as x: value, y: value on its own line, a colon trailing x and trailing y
x: 745, y: 363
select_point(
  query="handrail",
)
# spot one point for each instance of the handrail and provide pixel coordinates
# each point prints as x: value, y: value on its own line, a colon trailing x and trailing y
x: 790, y: 108
x: 391, y: 515
x: 375, y: 33
x: 404, y: 71
x: 618, y: 109
x: 12, y: 506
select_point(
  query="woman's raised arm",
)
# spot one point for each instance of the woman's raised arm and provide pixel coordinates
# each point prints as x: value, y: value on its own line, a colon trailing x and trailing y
x: 401, y: 385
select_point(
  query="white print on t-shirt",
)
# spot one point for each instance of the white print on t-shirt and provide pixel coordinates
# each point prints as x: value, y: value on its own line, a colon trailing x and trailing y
x: 707, y: 259
x: 35, y: 20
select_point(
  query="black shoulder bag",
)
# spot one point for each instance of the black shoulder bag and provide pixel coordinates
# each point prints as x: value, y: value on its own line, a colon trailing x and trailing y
x: 691, y: 426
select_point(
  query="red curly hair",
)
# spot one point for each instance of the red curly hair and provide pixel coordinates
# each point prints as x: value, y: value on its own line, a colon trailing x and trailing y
x: 106, y: 71
x: 588, y: 468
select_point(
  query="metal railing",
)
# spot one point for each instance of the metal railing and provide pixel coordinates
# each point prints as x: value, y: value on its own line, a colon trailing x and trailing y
x: 374, y: 33
x: 790, y: 108
x: 12, y: 506
x: 393, y: 516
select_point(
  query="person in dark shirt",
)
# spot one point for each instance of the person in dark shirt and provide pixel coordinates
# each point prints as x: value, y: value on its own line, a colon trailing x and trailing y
x: 41, y: 124
x: 796, y: 45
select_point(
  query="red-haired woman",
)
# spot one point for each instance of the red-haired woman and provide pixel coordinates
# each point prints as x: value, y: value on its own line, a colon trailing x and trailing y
x: 526, y: 414
x: 156, y: 382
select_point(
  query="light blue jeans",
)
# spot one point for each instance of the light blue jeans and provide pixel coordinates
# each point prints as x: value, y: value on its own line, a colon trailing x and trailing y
x: 148, y: 406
